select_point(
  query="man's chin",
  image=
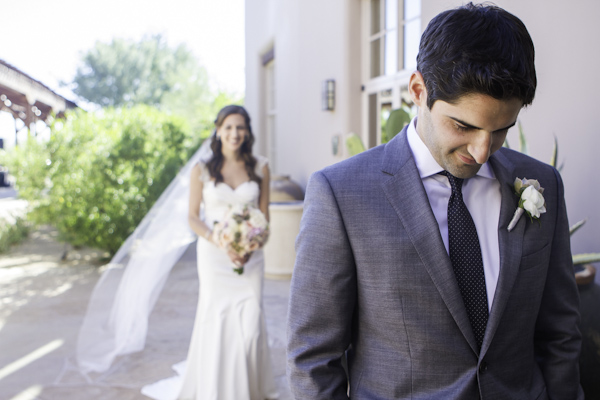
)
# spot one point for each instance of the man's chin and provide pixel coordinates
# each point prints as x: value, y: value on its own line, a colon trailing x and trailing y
x: 464, y: 171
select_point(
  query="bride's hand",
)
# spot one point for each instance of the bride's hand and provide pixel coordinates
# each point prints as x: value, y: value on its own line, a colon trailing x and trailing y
x: 212, y: 239
x: 236, y: 259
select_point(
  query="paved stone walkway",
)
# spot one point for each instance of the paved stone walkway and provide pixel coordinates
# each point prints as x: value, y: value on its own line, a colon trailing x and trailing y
x: 42, y: 303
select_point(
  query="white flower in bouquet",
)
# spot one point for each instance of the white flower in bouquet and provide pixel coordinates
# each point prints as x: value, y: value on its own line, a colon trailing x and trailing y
x: 226, y: 234
x: 257, y: 218
x: 243, y: 230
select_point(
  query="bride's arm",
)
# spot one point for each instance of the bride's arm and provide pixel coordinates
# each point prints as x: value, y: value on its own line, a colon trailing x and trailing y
x: 263, y: 201
x: 196, y: 185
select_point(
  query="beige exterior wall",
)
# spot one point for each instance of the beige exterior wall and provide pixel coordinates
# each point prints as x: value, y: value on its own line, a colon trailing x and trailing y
x: 316, y: 40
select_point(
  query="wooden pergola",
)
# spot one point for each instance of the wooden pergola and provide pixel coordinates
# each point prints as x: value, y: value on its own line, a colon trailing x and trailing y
x: 28, y: 99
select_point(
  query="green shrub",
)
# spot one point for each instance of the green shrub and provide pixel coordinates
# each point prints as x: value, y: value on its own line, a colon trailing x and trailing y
x: 101, y: 172
x: 12, y: 231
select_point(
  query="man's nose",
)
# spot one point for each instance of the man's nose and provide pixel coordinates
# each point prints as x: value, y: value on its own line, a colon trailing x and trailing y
x: 481, y: 146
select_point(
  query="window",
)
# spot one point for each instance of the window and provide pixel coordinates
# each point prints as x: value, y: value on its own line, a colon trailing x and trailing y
x: 412, y: 32
x: 383, y: 37
x: 392, y: 31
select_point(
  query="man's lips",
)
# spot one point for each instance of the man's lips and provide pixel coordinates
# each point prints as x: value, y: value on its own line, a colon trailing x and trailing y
x: 467, y: 160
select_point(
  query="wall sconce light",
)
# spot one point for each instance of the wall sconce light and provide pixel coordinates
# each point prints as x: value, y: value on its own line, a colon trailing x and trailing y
x: 329, y: 95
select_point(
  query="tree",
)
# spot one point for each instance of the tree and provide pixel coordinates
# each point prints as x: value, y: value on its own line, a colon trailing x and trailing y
x: 124, y: 72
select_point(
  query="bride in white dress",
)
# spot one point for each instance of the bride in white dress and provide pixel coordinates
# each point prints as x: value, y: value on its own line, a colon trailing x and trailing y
x: 229, y: 356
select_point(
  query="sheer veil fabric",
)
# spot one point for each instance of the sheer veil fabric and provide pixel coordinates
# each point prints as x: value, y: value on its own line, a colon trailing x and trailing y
x: 116, y: 320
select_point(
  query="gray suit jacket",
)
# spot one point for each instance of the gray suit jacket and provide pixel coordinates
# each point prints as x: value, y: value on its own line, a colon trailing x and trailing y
x: 372, y: 277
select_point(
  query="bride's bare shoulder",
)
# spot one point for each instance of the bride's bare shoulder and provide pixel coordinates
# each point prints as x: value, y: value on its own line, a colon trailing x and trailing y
x: 198, y: 168
x: 261, y: 159
x: 200, y: 171
x: 262, y: 164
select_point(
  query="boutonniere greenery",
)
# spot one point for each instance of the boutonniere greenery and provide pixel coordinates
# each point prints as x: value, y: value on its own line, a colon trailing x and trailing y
x: 531, y: 200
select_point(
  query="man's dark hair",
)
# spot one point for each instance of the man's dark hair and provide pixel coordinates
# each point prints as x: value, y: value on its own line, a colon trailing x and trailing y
x: 477, y: 49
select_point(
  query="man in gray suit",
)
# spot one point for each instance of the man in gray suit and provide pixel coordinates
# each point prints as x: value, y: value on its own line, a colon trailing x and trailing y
x: 405, y: 264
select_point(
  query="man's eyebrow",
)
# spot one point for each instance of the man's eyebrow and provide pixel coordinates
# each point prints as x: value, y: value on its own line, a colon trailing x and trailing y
x: 475, y: 127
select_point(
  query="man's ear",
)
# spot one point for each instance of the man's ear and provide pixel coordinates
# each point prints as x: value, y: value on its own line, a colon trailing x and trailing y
x: 417, y: 90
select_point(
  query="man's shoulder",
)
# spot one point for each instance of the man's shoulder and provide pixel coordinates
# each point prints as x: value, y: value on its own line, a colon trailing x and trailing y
x: 368, y: 161
x: 360, y: 170
x: 528, y: 167
x: 521, y: 160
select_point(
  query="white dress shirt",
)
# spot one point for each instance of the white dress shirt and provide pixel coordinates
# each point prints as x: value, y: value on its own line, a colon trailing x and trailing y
x: 481, y: 195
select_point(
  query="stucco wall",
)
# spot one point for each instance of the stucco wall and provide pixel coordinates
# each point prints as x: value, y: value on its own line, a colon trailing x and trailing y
x: 314, y: 41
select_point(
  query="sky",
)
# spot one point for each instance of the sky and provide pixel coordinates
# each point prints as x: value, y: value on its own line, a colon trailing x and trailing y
x: 45, y: 39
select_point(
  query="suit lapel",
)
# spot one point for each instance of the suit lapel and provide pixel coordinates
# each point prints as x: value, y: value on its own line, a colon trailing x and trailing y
x: 406, y: 193
x: 511, y: 243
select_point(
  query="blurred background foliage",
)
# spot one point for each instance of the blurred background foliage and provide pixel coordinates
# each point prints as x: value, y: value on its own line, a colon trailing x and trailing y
x: 102, y: 170
x: 12, y: 230
x: 100, y: 173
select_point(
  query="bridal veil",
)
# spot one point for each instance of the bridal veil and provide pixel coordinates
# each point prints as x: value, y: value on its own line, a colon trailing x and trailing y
x: 116, y: 320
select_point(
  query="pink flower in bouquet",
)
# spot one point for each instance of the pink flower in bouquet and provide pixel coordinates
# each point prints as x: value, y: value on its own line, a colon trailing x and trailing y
x: 243, y: 230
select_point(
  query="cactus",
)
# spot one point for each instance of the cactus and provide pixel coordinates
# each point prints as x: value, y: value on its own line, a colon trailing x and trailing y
x: 397, y: 120
x: 354, y: 144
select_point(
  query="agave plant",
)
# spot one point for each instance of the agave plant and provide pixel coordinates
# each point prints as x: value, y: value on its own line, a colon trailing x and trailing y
x: 578, y: 259
x: 583, y: 258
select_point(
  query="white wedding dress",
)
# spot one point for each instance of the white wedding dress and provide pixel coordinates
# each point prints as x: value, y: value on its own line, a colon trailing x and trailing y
x: 228, y: 357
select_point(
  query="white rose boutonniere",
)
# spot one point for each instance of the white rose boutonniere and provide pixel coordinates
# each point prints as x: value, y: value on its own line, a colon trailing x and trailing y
x: 530, y: 200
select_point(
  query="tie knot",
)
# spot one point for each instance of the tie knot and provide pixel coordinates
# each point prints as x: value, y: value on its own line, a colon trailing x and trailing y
x: 455, y: 183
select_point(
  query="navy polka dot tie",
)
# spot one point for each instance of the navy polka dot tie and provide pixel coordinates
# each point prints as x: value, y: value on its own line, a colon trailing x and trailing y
x: 465, y: 255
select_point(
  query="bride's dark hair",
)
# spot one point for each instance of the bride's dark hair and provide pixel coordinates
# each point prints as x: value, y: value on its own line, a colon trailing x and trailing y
x: 215, y: 164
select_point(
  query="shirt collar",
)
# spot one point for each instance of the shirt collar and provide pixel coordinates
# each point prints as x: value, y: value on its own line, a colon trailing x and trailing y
x: 426, y: 164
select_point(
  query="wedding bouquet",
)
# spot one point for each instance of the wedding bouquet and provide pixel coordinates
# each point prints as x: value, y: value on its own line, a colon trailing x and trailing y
x: 243, y: 230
